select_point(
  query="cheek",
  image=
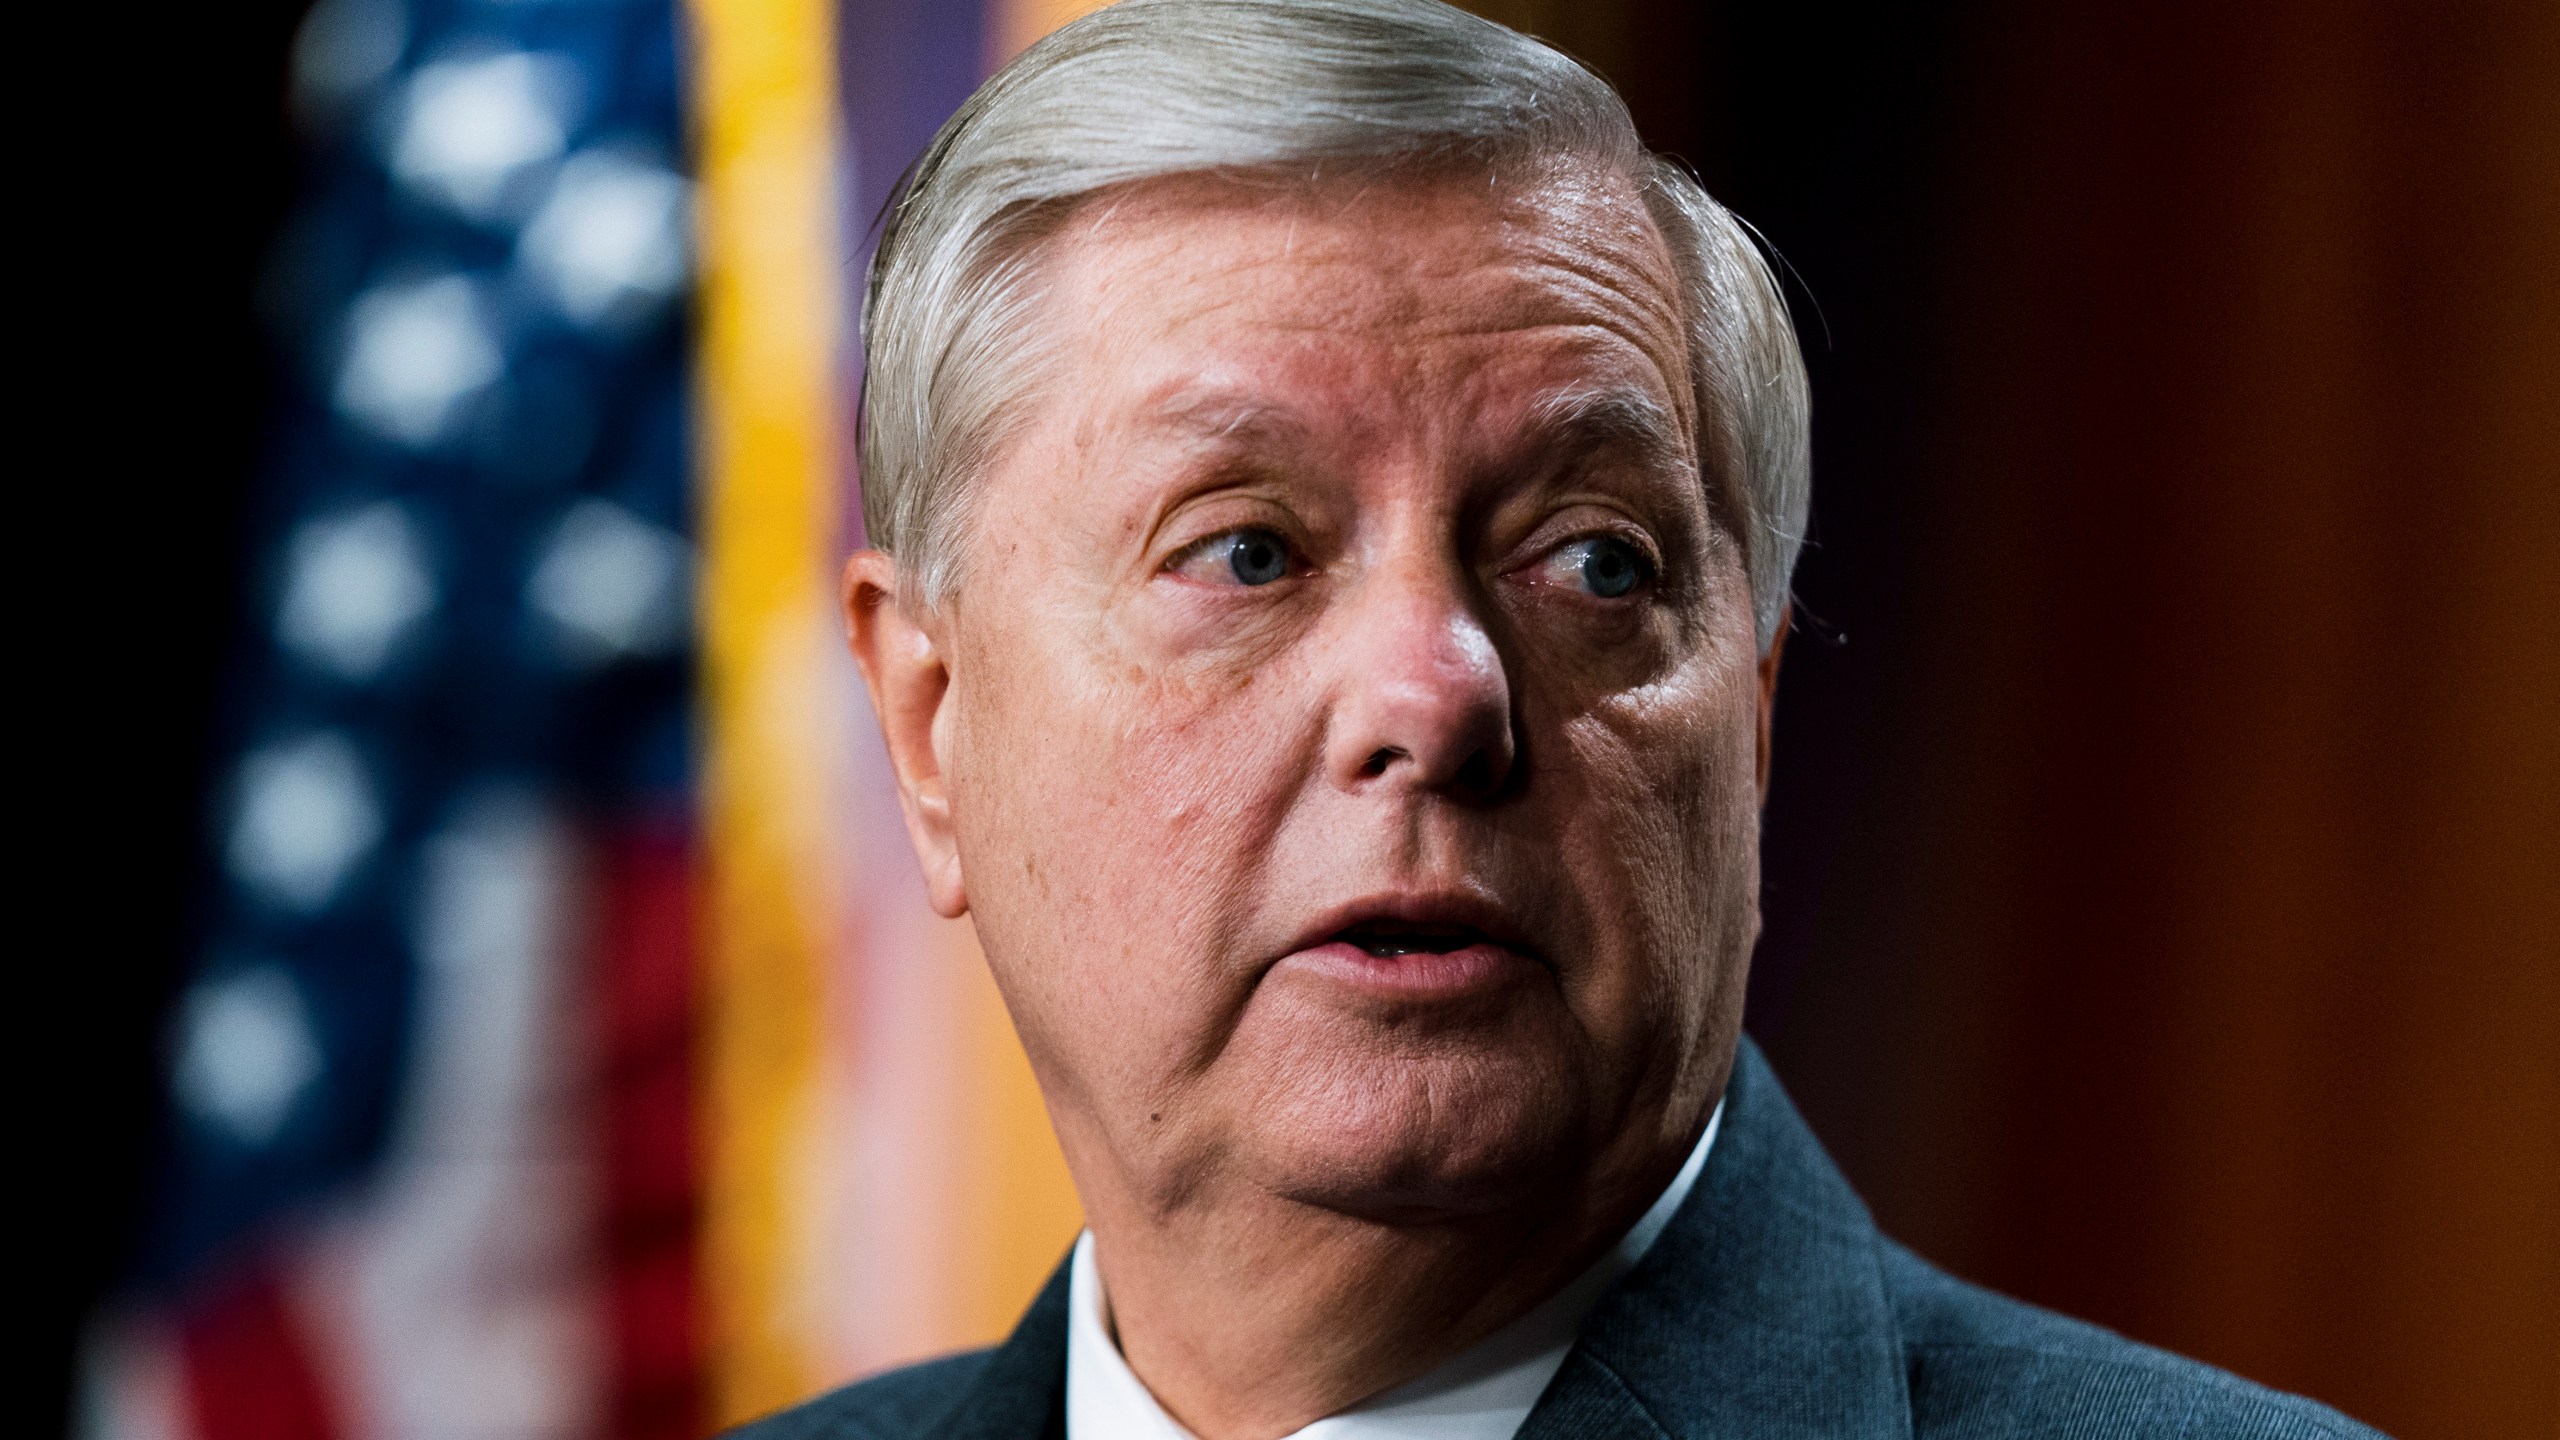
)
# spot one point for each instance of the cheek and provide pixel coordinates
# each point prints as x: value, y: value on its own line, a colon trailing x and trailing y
x: 1660, y: 822
x: 1113, y: 829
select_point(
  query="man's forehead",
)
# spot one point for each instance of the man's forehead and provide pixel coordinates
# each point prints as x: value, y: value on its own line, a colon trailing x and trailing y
x: 1368, y: 249
x: 1221, y: 311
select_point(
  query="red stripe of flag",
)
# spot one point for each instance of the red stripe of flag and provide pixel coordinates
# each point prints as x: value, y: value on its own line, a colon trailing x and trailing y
x: 249, y: 1370
x: 652, y: 1187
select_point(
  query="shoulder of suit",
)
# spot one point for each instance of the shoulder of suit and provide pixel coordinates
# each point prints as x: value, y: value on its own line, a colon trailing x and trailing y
x: 898, y: 1404
x: 1980, y: 1362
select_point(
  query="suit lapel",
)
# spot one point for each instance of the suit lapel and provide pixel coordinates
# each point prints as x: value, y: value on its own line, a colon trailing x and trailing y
x: 1021, y: 1394
x: 1586, y: 1400
x: 1760, y: 1312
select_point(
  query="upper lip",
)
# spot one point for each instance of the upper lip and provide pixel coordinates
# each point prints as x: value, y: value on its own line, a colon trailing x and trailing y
x: 1480, y: 913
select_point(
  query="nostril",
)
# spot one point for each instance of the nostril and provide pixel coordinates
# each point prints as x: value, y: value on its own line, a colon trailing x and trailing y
x: 1379, y: 760
x: 1475, y: 776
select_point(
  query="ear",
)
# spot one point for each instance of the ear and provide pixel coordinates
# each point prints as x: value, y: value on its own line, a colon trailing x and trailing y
x: 905, y: 668
x: 1769, y: 698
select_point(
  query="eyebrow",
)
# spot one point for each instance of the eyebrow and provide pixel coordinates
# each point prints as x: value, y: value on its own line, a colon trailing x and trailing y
x: 1575, y: 422
x: 1226, y: 416
x: 1610, y: 419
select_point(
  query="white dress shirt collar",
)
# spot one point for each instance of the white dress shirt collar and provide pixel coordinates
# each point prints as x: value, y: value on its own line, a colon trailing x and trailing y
x: 1482, y: 1393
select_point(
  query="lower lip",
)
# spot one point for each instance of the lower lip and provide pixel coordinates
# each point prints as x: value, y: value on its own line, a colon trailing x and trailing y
x: 1418, y: 975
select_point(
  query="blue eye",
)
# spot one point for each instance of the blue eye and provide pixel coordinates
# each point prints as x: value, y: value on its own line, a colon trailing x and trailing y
x: 1257, y: 557
x: 1609, y: 567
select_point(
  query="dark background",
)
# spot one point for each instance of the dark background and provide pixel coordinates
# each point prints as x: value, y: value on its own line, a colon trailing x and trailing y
x: 2164, y: 856
x: 158, y: 161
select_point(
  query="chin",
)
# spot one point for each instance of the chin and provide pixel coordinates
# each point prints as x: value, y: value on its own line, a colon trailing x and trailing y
x: 1400, y: 1137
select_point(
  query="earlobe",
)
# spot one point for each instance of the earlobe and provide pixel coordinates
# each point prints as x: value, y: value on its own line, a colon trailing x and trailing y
x: 909, y: 679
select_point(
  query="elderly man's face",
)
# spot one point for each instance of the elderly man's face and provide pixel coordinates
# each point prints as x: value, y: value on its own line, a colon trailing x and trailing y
x: 1352, y: 731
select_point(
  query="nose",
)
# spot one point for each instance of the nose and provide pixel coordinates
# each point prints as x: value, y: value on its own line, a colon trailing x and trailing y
x: 1422, y: 698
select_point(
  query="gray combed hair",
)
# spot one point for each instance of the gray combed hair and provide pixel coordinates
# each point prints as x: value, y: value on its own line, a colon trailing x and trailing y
x: 1151, y: 88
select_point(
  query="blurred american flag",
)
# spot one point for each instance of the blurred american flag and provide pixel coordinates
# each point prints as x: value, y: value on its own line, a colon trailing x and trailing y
x: 565, y: 1049
x: 427, y: 1167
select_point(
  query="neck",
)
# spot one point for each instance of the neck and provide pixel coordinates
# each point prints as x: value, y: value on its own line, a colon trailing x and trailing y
x: 1253, y: 1315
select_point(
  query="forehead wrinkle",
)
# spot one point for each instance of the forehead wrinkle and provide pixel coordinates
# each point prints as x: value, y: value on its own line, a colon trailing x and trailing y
x: 1593, y: 251
x: 1591, y: 277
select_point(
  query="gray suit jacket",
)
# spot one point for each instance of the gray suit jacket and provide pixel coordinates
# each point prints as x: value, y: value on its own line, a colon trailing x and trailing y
x: 1771, y: 1307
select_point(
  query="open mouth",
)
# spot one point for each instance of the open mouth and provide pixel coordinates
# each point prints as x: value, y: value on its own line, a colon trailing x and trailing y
x: 1387, y: 939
